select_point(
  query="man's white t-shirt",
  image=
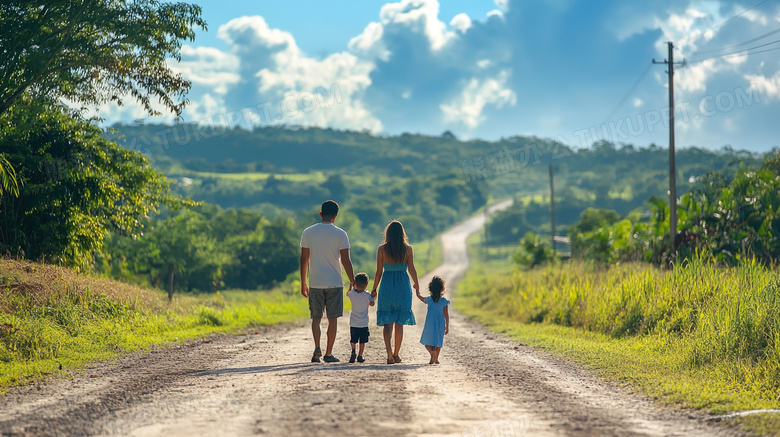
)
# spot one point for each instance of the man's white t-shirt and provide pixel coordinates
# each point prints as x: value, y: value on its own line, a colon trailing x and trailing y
x: 360, y: 302
x: 324, y: 241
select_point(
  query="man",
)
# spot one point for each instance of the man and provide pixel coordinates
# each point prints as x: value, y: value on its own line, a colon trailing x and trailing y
x: 325, y: 248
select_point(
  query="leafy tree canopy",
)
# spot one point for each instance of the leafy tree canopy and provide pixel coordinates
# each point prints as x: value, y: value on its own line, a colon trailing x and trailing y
x: 75, y: 185
x: 94, y: 51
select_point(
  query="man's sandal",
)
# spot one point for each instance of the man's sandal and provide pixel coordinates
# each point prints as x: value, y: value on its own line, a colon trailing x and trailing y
x: 396, y: 358
x: 316, y: 357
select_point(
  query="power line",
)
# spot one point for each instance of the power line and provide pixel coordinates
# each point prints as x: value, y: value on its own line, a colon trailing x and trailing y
x: 727, y: 21
x: 629, y: 93
x: 743, y: 43
x: 737, y: 52
x: 733, y: 55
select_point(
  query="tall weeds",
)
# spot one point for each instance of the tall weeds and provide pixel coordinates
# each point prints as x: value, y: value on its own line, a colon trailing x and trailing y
x: 717, y: 317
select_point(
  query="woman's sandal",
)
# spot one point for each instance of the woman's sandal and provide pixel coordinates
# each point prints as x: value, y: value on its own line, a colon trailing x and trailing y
x: 390, y: 361
x: 396, y: 359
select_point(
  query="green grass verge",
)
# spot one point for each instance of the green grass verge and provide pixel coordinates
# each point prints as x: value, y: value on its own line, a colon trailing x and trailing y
x: 50, y: 316
x: 699, y: 337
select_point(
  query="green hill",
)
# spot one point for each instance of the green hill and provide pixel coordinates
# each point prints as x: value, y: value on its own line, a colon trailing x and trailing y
x: 384, y: 177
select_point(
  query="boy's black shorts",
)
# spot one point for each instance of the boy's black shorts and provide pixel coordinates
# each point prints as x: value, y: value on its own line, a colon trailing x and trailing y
x: 358, y: 335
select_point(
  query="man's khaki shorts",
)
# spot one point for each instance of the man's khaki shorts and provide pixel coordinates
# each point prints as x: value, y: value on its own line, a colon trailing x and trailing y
x: 331, y: 300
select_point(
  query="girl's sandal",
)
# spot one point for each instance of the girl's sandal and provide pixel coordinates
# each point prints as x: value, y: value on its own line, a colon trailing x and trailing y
x: 396, y: 359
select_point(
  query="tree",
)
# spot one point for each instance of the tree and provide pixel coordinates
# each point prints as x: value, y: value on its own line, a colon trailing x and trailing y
x: 335, y: 184
x: 533, y: 251
x: 182, y: 246
x: 94, y: 51
x: 76, y: 185
x: 593, y: 218
x: 8, y: 181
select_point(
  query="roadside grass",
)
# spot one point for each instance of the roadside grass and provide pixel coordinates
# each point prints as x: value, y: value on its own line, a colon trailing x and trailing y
x: 699, y: 336
x: 51, y: 316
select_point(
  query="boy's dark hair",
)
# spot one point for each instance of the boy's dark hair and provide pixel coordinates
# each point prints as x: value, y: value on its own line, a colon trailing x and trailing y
x: 436, y: 287
x: 329, y: 209
x: 361, y: 279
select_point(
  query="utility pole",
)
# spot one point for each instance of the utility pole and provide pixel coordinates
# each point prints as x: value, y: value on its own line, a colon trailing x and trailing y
x: 672, y: 169
x: 485, y: 243
x: 552, y: 208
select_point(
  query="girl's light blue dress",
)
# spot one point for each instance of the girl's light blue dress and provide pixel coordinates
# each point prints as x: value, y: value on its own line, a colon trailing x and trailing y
x: 433, y: 331
x: 394, y: 298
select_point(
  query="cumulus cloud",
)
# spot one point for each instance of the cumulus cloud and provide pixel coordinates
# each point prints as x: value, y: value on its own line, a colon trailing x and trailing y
x: 276, y: 76
x: 208, y: 66
x: 768, y: 86
x: 411, y: 71
x: 418, y: 16
x: 467, y: 107
x: 461, y: 23
x: 368, y: 44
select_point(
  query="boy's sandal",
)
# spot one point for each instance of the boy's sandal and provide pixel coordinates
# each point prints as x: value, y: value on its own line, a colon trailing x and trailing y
x: 396, y: 358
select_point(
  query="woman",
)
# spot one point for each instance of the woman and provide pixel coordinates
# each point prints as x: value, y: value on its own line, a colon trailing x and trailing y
x: 394, y: 308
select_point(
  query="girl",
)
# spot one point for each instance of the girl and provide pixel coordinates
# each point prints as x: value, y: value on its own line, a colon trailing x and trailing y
x: 437, y: 321
x: 394, y: 306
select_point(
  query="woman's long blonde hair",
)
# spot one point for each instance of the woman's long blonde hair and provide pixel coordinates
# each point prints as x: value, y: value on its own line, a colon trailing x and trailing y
x: 396, y: 242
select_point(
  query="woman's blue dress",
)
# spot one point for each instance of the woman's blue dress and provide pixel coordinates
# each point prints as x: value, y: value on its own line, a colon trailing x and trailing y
x: 433, y: 331
x: 394, y: 298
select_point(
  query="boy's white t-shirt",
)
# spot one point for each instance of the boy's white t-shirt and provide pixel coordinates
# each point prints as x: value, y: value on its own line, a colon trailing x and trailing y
x: 360, y: 303
x: 324, y: 241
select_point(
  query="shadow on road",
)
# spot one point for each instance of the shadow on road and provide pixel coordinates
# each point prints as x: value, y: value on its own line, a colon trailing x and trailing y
x: 300, y: 368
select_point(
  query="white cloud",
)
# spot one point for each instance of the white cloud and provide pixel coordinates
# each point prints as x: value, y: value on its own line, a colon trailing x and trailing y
x: 768, y: 86
x: 417, y: 16
x: 461, y: 23
x: 467, y: 107
x: 484, y: 63
x: 694, y: 78
x: 495, y: 13
x: 284, y: 71
x: 208, y: 66
x: 502, y: 4
x: 245, y: 32
x: 369, y: 43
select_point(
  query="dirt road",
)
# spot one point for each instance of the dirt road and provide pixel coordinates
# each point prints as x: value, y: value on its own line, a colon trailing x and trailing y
x: 263, y: 384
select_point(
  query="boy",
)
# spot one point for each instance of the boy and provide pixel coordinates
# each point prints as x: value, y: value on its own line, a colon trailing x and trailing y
x: 358, y: 320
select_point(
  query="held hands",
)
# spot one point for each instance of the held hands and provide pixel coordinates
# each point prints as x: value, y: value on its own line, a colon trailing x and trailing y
x: 373, y: 294
x: 304, y: 290
x: 416, y: 287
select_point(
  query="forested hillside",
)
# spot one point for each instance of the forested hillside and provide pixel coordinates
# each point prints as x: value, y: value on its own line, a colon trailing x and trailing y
x: 433, y: 178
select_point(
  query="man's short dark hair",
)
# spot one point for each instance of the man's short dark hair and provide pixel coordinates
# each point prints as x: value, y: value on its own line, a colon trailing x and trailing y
x: 361, y: 279
x: 329, y: 209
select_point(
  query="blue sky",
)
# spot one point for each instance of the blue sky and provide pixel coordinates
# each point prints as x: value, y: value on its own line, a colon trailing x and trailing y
x: 489, y: 69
